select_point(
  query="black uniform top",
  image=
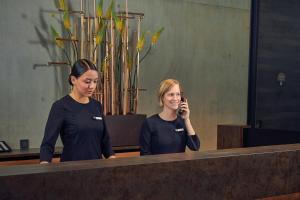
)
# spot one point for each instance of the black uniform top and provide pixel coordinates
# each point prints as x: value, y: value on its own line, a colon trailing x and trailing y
x: 82, y: 130
x: 159, y: 136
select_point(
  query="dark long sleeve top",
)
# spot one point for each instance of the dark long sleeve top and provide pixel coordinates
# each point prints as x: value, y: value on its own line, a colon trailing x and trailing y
x: 82, y: 130
x: 159, y: 136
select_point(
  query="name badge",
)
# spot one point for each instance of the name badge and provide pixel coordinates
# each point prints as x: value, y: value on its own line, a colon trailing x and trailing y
x: 179, y: 129
x: 96, y: 118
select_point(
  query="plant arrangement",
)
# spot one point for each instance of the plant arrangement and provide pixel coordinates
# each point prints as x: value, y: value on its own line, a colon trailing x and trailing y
x: 113, y: 41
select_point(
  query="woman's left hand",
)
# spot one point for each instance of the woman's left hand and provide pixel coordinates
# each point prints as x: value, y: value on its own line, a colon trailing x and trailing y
x: 184, y: 106
x: 112, y: 156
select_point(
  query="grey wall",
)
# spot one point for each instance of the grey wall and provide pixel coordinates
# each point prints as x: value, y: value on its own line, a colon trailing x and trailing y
x: 205, y: 46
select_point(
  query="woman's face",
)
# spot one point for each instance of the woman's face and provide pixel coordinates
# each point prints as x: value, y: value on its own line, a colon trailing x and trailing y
x: 86, y: 84
x: 171, y: 99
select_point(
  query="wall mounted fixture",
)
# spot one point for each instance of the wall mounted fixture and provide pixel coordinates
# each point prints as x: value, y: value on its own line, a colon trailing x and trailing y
x: 281, y: 78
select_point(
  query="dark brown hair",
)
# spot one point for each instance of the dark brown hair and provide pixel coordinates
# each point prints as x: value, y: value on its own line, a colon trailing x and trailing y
x: 80, y: 67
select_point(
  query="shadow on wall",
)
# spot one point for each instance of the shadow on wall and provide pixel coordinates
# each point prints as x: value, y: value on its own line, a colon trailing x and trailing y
x: 46, y: 40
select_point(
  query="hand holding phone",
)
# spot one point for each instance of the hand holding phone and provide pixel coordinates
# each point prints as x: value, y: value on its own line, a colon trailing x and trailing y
x: 180, y: 111
x: 184, y: 110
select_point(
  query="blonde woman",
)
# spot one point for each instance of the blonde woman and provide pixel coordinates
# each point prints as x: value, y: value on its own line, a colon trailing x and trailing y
x: 171, y: 130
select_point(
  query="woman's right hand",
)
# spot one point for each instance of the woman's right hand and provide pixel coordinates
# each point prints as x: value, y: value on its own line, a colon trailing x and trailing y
x: 184, y: 106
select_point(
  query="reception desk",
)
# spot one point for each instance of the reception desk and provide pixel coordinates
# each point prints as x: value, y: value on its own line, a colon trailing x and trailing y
x: 242, y: 173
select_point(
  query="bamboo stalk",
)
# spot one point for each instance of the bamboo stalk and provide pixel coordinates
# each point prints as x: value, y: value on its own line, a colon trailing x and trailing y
x: 57, y: 63
x: 130, y: 14
x: 138, y: 69
x: 126, y: 20
x: 88, y: 38
x: 82, y: 30
x: 125, y: 68
x: 95, y: 33
x: 105, y: 94
x: 112, y: 79
x: 122, y: 81
x: 75, y: 28
x: 95, y: 17
x: 140, y: 89
x: 66, y: 39
x: 70, y: 11
x: 120, y: 16
x: 124, y: 76
x: 104, y: 89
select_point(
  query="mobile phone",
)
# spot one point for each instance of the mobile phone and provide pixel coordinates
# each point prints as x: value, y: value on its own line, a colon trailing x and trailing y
x: 180, y: 112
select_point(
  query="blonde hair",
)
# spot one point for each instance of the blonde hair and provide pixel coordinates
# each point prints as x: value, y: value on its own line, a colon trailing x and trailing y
x: 164, y: 87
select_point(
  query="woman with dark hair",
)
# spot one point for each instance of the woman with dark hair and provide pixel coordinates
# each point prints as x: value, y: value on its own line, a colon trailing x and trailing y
x: 78, y: 119
x: 171, y: 130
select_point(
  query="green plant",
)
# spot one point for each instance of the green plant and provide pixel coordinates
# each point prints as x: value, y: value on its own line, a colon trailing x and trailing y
x: 108, y: 41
